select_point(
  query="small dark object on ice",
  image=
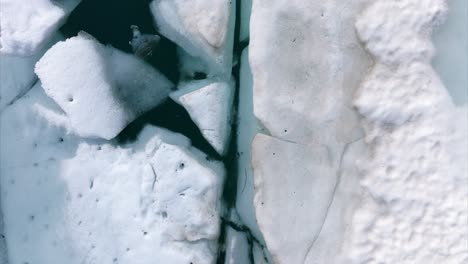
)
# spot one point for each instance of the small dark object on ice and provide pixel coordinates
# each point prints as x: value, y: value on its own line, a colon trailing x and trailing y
x: 143, y: 45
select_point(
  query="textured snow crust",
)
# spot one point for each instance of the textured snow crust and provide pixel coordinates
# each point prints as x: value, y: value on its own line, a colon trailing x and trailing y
x: 209, y: 104
x: 27, y: 25
x: 101, y: 89
x: 414, y: 208
x: 69, y: 200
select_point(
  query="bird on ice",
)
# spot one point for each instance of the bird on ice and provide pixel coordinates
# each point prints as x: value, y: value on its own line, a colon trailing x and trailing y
x: 143, y: 45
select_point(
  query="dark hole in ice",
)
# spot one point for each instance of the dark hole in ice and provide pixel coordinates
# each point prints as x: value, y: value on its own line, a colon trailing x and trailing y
x: 199, y: 76
x: 172, y: 116
x: 109, y: 22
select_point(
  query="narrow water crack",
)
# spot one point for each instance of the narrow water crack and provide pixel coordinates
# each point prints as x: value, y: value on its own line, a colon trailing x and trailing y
x: 232, y: 156
x: 251, y: 239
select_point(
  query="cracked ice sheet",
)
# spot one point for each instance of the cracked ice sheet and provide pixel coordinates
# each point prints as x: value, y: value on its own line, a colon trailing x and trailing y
x: 94, y: 202
x: 26, y: 26
x: 303, y: 82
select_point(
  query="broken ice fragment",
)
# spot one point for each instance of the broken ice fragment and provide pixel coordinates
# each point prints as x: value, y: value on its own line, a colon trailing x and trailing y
x: 91, y: 200
x: 303, y: 83
x: 203, y: 28
x: 209, y: 104
x: 101, y: 89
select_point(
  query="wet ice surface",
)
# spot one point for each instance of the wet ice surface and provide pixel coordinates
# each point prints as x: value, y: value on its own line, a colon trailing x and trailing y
x: 451, y: 43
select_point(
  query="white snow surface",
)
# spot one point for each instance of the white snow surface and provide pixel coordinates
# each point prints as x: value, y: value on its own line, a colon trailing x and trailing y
x: 101, y: 89
x: 209, y: 104
x: 416, y: 180
x: 203, y: 28
x: 27, y: 25
x: 69, y: 200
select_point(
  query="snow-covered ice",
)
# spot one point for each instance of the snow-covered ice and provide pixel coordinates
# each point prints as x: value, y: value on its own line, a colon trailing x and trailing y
x: 349, y: 148
x: 209, y: 104
x: 415, y: 183
x: 203, y: 28
x: 26, y: 26
x: 69, y: 200
x: 101, y: 89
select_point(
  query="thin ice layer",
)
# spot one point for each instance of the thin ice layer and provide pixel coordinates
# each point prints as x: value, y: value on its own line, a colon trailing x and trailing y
x: 95, y: 202
x: 26, y: 26
x: 101, y: 89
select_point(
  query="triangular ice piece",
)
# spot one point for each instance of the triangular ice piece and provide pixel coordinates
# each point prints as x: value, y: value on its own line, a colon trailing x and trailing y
x: 203, y: 28
x: 209, y: 104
